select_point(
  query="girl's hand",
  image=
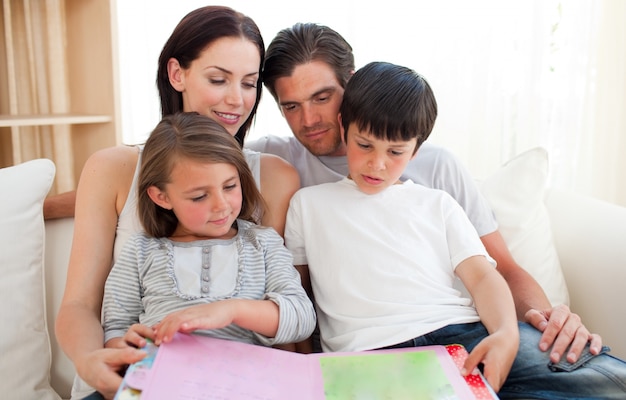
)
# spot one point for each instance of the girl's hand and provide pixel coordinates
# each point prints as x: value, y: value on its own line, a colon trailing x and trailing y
x: 137, y: 334
x: 204, y: 316
x: 496, y: 352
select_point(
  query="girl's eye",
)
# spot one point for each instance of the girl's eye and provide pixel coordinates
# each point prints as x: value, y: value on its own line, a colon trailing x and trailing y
x: 198, y: 198
x: 230, y: 187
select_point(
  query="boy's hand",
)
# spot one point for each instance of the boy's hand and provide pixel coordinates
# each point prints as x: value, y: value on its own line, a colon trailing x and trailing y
x: 496, y: 352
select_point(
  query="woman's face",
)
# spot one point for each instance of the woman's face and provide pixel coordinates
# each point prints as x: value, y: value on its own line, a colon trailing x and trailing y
x: 222, y: 82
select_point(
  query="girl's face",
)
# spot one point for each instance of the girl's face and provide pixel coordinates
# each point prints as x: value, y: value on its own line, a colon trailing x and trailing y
x: 206, y: 198
x: 221, y: 83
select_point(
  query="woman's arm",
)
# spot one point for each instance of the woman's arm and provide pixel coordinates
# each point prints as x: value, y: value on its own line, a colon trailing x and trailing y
x: 279, y: 181
x: 101, y: 194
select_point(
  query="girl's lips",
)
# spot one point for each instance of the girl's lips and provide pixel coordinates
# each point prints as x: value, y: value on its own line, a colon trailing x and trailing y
x: 221, y: 221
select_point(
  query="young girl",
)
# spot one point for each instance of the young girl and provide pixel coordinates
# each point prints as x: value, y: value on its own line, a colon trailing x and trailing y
x: 210, y: 64
x: 202, y: 264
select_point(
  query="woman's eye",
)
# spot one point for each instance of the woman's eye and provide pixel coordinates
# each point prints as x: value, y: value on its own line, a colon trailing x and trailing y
x: 251, y: 85
x: 217, y: 81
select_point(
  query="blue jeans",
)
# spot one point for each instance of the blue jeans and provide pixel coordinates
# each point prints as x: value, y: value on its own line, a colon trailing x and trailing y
x: 532, y: 375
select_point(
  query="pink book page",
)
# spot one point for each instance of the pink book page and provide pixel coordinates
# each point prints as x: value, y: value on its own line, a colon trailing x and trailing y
x: 193, y: 367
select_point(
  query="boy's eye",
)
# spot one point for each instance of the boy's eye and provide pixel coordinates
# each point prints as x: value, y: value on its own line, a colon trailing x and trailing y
x: 396, y: 152
x: 363, y: 145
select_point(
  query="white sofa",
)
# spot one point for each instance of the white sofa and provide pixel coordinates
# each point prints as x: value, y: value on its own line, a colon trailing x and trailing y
x: 589, y: 238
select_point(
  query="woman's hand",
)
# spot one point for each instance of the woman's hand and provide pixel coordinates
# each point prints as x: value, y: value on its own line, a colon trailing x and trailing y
x: 100, y: 368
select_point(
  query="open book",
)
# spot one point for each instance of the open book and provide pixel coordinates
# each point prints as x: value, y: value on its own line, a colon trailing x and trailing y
x: 194, y: 367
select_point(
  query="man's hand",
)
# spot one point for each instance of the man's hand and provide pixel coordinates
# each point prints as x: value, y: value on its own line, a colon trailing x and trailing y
x: 563, y: 329
x: 100, y: 368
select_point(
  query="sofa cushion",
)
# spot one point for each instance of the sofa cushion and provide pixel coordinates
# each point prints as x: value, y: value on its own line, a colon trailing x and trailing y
x: 24, y: 342
x: 516, y: 194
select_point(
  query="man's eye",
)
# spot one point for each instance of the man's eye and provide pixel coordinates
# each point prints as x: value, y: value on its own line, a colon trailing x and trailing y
x: 289, y: 107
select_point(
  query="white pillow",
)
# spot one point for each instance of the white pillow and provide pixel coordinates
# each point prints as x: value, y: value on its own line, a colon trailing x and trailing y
x: 24, y: 343
x: 516, y: 195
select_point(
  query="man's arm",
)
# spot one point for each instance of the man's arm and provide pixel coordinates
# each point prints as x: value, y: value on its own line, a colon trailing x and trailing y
x: 561, y: 328
x: 59, y: 205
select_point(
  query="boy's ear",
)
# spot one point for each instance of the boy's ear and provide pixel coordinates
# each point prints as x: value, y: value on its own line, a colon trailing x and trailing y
x: 342, y: 132
x: 158, y: 197
x: 175, y: 74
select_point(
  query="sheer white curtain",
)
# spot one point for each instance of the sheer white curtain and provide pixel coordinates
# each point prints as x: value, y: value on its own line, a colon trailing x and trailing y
x: 508, y: 75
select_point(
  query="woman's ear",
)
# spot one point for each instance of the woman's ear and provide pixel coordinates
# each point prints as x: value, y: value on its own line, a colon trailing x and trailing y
x: 159, y: 197
x: 176, y: 74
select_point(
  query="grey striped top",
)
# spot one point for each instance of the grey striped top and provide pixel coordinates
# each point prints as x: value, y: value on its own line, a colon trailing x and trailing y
x: 156, y: 276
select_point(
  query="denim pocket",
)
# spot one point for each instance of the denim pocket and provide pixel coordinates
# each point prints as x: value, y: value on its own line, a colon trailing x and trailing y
x: 565, y: 366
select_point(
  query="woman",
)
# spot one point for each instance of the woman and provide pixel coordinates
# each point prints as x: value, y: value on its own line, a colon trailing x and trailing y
x: 210, y: 64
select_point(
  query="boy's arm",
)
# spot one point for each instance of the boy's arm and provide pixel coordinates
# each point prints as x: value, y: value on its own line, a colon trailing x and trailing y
x: 59, y: 205
x: 496, y: 309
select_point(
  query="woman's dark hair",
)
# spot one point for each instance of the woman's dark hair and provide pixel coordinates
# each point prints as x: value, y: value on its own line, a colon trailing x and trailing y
x: 192, y: 35
x: 199, y: 138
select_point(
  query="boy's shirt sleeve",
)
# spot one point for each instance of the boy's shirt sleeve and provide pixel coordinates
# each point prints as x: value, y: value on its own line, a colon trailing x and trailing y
x: 294, y: 230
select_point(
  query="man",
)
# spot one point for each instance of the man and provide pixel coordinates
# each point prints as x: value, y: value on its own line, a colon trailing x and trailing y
x: 306, y: 70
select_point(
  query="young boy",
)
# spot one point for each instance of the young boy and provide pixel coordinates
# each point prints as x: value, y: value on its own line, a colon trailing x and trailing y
x: 381, y: 264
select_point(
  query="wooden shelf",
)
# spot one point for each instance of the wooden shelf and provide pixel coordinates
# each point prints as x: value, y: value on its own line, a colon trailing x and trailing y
x: 51, y: 119
x: 58, y: 92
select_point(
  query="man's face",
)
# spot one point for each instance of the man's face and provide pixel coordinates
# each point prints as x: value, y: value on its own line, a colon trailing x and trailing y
x: 309, y: 100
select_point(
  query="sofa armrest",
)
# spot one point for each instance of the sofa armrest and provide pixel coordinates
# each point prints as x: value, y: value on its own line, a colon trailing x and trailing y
x: 57, y: 253
x: 590, y: 238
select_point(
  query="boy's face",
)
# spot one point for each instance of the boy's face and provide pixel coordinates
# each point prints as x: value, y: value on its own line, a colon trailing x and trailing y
x: 309, y: 99
x: 375, y: 164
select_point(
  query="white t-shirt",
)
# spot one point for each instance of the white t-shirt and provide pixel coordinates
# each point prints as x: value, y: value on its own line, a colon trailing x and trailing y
x: 434, y: 167
x: 382, y: 266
